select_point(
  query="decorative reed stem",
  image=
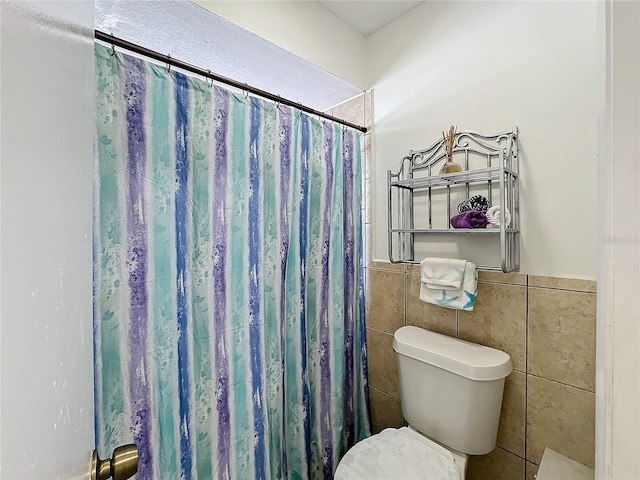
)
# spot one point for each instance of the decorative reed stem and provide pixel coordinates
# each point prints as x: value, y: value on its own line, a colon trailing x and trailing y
x: 449, y: 140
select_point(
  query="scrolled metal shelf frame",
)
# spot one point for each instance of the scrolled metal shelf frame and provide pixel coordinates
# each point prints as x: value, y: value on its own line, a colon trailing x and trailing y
x: 418, y: 173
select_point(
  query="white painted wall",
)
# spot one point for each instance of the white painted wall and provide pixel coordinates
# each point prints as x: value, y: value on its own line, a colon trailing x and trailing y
x: 194, y: 35
x: 304, y: 28
x: 488, y: 66
x: 46, y: 162
x: 618, y: 334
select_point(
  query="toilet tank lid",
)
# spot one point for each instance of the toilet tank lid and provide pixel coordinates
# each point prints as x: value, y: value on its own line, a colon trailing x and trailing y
x: 466, y: 359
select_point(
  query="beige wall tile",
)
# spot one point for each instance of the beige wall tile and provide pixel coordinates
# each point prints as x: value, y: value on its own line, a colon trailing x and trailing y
x: 386, y: 411
x: 368, y: 203
x: 351, y: 110
x: 563, y: 283
x: 383, y: 369
x: 377, y: 265
x: 368, y: 240
x: 367, y: 140
x: 511, y: 432
x: 531, y: 470
x: 426, y: 315
x: 498, y: 320
x: 368, y: 109
x: 498, y: 465
x: 562, y: 336
x: 385, y: 300
x: 499, y: 277
x: 560, y: 417
x: 413, y: 269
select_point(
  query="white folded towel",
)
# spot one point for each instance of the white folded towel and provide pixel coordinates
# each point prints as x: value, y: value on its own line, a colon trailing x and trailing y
x: 493, y: 215
x: 442, y: 272
x: 449, y: 283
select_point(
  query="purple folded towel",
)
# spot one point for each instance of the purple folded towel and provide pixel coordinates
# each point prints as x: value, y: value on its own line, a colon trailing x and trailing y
x: 470, y: 219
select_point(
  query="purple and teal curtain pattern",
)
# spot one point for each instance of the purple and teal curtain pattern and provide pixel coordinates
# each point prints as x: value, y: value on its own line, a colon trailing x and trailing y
x: 228, y: 297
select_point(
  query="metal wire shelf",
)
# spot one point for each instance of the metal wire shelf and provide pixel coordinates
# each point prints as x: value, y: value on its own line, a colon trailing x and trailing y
x: 417, y: 189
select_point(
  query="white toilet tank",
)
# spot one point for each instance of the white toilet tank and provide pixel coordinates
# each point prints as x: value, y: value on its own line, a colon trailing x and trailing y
x: 450, y: 389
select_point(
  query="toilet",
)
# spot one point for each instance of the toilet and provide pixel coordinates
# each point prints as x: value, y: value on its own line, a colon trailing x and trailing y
x: 451, y: 396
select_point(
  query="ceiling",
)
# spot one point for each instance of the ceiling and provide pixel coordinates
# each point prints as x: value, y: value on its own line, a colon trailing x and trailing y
x: 368, y: 16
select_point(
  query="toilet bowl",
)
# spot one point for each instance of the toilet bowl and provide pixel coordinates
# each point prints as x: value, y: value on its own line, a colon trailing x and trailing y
x: 451, y: 397
x: 400, y: 453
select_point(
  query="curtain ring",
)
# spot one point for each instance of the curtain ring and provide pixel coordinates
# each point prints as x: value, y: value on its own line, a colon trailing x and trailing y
x: 168, y: 63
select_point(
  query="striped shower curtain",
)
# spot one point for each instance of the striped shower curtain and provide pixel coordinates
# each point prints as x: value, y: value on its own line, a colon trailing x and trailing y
x: 228, y: 283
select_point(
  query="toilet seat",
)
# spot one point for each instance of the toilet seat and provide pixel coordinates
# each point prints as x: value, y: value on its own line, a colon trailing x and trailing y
x: 397, y: 454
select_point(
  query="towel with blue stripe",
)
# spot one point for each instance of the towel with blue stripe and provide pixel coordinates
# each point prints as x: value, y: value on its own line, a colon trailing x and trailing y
x: 448, y: 282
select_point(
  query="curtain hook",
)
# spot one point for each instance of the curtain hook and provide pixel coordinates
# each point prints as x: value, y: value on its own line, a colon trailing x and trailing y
x: 246, y: 90
x: 113, y: 46
x: 168, y: 63
x: 209, y: 79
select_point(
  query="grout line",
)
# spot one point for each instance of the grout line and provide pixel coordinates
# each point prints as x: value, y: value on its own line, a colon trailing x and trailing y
x: 539, y: 287
x: 382, y: 269
x: 495, y: 282
x: 511, y: 453
x: 526, y: 368
x: 375, y: 329
x: 561, y: 383
x: 406, y: 296
x: 384, y: 392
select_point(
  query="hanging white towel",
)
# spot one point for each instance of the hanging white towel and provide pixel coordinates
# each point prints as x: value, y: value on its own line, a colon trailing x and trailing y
x: 448, y: 282
x: 442, y: 272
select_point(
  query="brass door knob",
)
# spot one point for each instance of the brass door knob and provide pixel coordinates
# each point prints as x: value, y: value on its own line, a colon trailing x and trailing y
x: 123, y: 464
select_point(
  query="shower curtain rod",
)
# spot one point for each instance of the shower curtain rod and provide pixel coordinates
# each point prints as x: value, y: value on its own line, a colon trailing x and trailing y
x: 168, y: 59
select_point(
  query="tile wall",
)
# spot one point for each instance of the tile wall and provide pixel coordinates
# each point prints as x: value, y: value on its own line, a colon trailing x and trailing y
x: 546, y: 325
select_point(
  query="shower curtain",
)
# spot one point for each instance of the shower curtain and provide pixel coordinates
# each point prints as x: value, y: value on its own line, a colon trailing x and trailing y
x: 228, y: 284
